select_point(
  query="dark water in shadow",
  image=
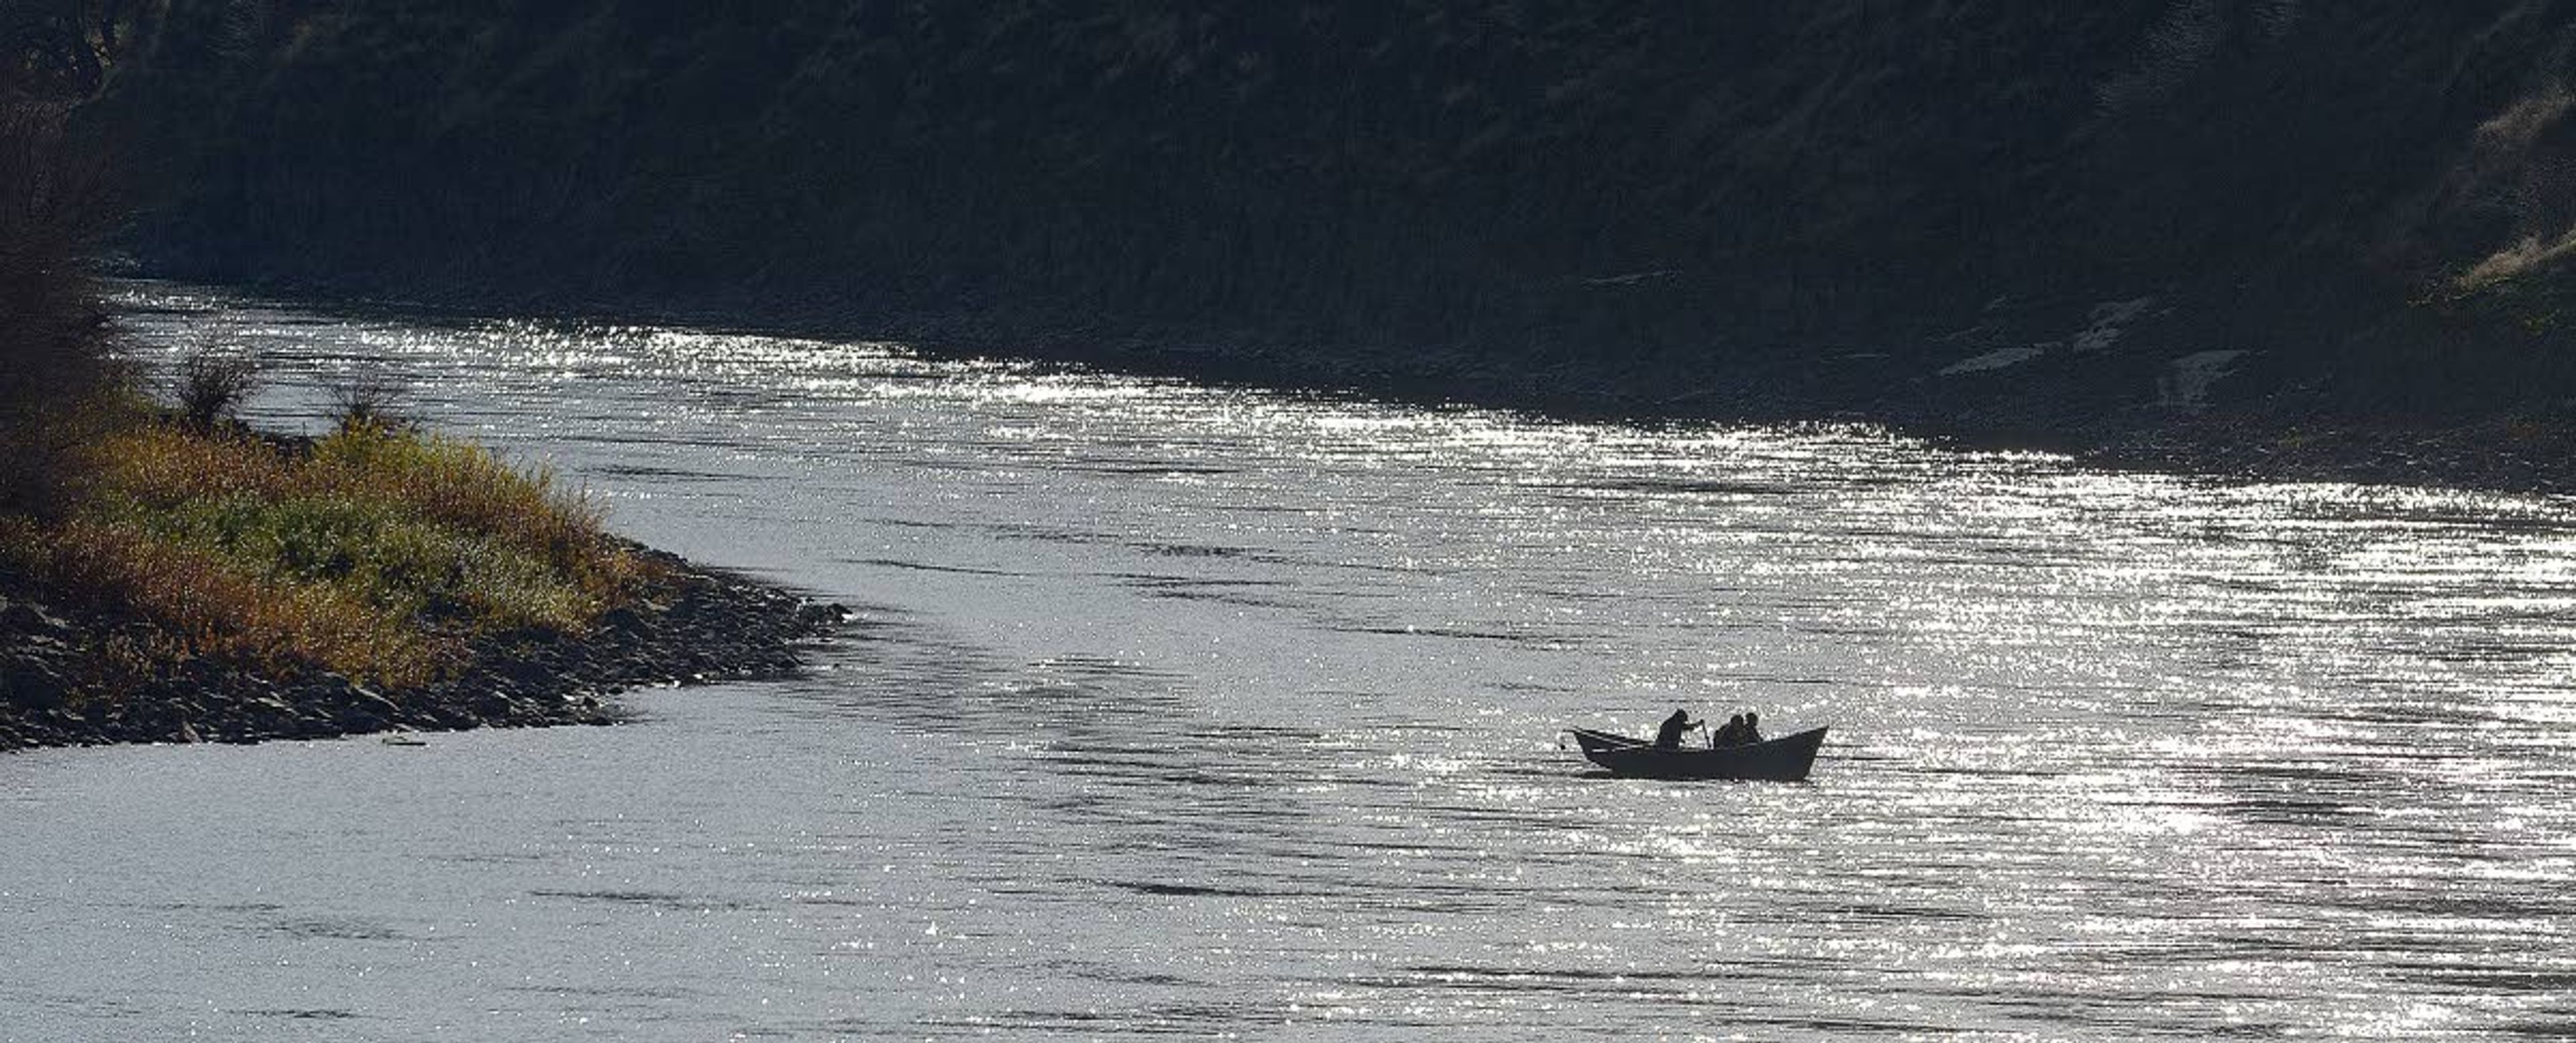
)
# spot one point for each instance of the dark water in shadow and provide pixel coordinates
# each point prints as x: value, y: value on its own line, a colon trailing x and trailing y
x: 1199, y: 712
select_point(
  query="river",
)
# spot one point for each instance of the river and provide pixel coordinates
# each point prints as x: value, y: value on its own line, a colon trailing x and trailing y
x: 1218, y: 712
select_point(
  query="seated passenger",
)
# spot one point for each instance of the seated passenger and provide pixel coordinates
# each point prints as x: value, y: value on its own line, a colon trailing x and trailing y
x: 1729, y: 734
x: 1752, y: 727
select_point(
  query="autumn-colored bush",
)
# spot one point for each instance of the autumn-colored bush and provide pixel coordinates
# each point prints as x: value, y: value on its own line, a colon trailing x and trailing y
x: 217, y: 604
x: 376, y: 552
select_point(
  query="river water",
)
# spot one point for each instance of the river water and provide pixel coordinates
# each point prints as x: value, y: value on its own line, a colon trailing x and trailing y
x: 1209, y: 712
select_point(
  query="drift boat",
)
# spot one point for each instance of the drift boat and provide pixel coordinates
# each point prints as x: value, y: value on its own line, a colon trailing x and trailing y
x: 1785, y: 759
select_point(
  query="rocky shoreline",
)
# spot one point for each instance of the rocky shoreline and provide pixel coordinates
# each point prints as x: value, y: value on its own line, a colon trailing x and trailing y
x: 695, y: 625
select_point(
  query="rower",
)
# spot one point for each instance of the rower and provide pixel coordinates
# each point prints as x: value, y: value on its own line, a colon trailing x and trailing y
x: 1669, y: 736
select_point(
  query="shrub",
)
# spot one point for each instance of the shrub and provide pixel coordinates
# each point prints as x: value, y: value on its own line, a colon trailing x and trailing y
x: 218, y: 606
x: 376, y: 553
x: 465, y: 486
x: 213, y: 384
x: 368, y: 400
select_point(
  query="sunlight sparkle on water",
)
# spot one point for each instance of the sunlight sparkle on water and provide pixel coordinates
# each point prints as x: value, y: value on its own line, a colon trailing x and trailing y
x: 1208, y: 711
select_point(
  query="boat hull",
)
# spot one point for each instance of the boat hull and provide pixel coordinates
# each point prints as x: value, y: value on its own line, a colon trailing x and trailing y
x: 1785, y: 759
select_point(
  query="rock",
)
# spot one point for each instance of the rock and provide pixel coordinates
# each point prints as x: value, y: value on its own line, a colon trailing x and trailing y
x: 695, y: 627
x: 32, y: 683
x: 362, y: 710
x: 270, y: 713
x: 522, y: 673
x: 24, y: 618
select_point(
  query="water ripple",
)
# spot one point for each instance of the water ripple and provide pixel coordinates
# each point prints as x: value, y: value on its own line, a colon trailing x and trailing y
x: 1192, y: 711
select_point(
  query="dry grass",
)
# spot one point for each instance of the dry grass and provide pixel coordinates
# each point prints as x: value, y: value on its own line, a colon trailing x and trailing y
x: 377, y: 553
x: 216, y: 607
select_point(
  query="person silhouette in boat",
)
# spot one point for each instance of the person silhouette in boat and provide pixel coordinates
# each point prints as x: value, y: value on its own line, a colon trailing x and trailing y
x: 1739, y: 730
x: 1669, y: 737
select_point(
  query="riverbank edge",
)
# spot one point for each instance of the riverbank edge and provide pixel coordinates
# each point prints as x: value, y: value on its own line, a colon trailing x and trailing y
x: 694, y: 624
x: 2262, y: 442
x: 2258, y: 442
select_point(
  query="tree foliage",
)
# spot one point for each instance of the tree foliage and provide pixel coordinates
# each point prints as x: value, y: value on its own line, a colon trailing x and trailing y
x: 1651, y: 191
x: 57, y: 205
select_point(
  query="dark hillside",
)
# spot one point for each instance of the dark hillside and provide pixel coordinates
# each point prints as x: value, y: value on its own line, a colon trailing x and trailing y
x: 1982, y: 215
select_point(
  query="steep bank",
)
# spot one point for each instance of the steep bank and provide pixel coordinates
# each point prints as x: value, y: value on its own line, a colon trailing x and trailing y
x: 2051, y: 223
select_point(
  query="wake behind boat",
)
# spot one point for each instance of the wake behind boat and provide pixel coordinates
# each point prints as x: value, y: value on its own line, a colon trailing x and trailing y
x: 1785, y: 759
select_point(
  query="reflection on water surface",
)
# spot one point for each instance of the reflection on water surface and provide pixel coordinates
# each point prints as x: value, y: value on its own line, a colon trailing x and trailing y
x: 1197, y: 711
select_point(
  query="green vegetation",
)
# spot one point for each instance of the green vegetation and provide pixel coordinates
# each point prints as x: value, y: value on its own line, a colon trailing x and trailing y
x: 376, y: 552
x: 379, y: 553
x: 1728, y: 200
